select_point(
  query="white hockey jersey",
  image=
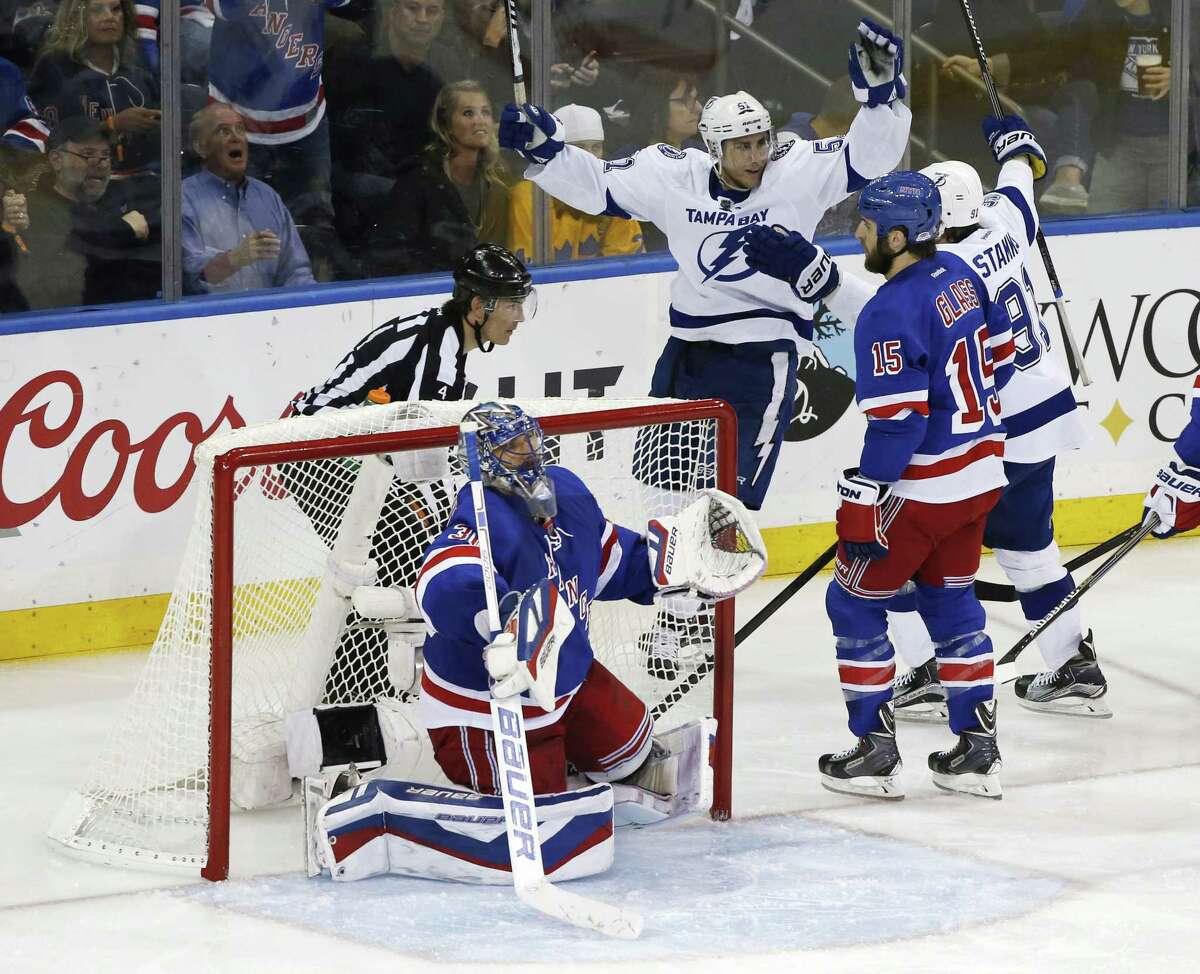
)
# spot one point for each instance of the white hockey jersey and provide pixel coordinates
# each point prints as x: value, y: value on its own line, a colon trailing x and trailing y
x: 1040, y: 416
x: 715, y: 296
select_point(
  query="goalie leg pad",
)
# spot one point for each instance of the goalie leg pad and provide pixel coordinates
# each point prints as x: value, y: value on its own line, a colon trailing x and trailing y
x: 675, y: 780
x: 410, y: 829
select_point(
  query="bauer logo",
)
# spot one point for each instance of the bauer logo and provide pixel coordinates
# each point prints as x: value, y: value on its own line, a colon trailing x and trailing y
x: 517, y: 790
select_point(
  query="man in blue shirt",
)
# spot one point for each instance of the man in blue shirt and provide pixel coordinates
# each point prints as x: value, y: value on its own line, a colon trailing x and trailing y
x: 237, y: 233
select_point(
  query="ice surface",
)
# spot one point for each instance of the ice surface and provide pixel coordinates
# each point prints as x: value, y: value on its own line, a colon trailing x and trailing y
x: 1091, y: 862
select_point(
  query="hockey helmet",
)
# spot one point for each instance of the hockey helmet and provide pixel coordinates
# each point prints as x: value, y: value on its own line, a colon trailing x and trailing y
x: 511, y: 455
x: 494, y: 273
x: 733, y: 117
x: 960, y: 190
x: 904, y: 200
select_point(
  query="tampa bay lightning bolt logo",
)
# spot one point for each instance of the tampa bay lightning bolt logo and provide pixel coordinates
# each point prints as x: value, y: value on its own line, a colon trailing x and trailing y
x: 720, y: 256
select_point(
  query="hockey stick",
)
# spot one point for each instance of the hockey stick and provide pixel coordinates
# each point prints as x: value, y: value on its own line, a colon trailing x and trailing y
x: 685, y: 686
x: 1051, y: 273
x: 514, y: 42
x: 987, y: 591
x: 512, y: 761
x: 1139, y: 532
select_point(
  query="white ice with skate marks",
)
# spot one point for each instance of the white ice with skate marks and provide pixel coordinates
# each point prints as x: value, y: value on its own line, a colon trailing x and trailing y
x: 751, y: 887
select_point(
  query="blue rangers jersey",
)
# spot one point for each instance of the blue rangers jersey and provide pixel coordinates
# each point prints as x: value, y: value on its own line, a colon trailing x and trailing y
x: 587, y: 556
x: 23, y: 127
x: 929, y: 368
x: 715, y: 296
x: 269, y: 68
x: 1188, y: 444
x: 1040, y: 416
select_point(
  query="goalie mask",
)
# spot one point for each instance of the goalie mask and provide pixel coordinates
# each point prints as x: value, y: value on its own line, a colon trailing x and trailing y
x: 511, y: 456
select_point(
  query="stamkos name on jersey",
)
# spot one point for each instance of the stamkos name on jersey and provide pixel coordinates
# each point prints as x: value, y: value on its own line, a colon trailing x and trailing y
x: 996, y: 256
x: 725, y: 218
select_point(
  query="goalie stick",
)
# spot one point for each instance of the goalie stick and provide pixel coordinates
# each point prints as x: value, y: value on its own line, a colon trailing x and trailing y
x: 512, y: 760
x: 685, y: 686
x: 987, y: 591
x: 1051, y: 273
x: 1008, y: 660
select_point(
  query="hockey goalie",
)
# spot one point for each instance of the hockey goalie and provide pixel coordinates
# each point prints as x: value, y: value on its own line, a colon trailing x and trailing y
x: 595, y: 762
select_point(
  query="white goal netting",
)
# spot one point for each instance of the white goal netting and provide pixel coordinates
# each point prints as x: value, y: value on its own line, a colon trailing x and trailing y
x: 297, y: 640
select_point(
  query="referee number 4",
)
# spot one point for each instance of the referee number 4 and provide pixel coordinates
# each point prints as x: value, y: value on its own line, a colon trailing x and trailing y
x: 886, y: 357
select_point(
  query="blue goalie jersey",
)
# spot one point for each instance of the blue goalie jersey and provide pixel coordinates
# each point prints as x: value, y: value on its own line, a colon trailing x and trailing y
x: 587, y: 557
x: 929, y: 366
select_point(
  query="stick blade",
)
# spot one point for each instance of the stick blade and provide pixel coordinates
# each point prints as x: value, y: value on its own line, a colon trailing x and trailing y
x: 579, y: 911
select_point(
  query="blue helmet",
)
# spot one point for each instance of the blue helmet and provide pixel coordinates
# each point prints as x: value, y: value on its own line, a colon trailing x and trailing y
x: 906, y: 200
x: 511, y: 455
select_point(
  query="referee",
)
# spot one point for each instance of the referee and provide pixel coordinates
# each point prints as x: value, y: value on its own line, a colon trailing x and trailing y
x: 424, y: 356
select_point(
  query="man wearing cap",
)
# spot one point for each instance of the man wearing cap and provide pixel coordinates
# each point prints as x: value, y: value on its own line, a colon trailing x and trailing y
x: 88, y: 240
x: 573, y: 233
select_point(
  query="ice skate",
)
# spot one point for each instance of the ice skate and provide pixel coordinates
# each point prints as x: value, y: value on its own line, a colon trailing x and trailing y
x: 1076, y: 688
x: 972, y: 766
x: 918, y: 696
x: 676, y: 645
x: 870, y: 767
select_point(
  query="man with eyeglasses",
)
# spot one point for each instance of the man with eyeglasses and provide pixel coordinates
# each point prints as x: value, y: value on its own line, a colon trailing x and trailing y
x: 237, y: 233
x: 89, y: 240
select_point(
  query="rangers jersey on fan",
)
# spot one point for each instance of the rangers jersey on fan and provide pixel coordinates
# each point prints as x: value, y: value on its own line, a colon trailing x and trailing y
x: 269, y: 67
x: 1040, y: 416
x: 1188, y: 444
x: 929, y: 368
x: 587, y: 556
x: 23, y: 127
x: 715, y: 296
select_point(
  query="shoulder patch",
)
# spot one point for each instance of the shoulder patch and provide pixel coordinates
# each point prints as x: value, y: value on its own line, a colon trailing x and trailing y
x: 828, y: 145
x: 612, y: 164
x: 783, y: 148
x: 670, y: 151
x: 991, y: 199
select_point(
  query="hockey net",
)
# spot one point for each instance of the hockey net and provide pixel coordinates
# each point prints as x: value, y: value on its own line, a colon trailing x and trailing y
x: 255, y: 628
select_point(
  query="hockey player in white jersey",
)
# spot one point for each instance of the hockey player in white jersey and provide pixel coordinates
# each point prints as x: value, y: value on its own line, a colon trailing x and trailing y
x: 994, y: 233
x: 735, y: 334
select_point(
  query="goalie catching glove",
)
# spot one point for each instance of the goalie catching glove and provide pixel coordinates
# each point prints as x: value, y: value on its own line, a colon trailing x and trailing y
x: 524, y: 657
x: 712, y: 547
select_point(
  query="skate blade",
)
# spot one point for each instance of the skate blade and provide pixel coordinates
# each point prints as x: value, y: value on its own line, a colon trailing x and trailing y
x: 1070, y: 707
x: 884, y: 787
x: 974, y: 785
x: 923, y: 713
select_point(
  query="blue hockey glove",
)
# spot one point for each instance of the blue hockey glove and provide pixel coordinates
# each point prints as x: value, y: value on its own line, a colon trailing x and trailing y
x: 858, y: 525
x: 1010, y: 136
x: 790, y: 257
x: 530, y: 131
x: 877, y: 65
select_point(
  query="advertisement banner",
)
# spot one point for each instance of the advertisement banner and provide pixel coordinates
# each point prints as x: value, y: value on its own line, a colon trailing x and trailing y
x: 97, y: 424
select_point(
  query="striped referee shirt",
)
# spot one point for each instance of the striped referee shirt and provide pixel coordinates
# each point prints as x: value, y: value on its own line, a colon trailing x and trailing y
x: 418, y: 357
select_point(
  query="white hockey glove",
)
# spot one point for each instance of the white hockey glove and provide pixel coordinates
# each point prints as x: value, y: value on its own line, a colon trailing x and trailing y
x: 712, y: 547
x: 1175, y: 498
x: 877, y: 65
x: 525, y: 656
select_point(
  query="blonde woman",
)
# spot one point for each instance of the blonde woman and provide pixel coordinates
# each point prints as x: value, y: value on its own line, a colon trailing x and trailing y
x: 450, y: 197
x: 89, y: 65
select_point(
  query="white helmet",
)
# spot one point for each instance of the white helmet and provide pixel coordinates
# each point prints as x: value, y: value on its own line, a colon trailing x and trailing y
x: 732, y: 117
x: 961, y: 190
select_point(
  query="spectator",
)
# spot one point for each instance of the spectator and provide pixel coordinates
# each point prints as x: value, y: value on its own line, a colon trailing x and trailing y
x: 379, y: 114
x: 451, y: 197
x: 474, y: 44
x: 89, y: 65
x: 1126, y: 46
x: 23, y: 26
x: 269, y: 71
x: 574, y: 234
x: 89, y: 240
x: 237, y: 233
